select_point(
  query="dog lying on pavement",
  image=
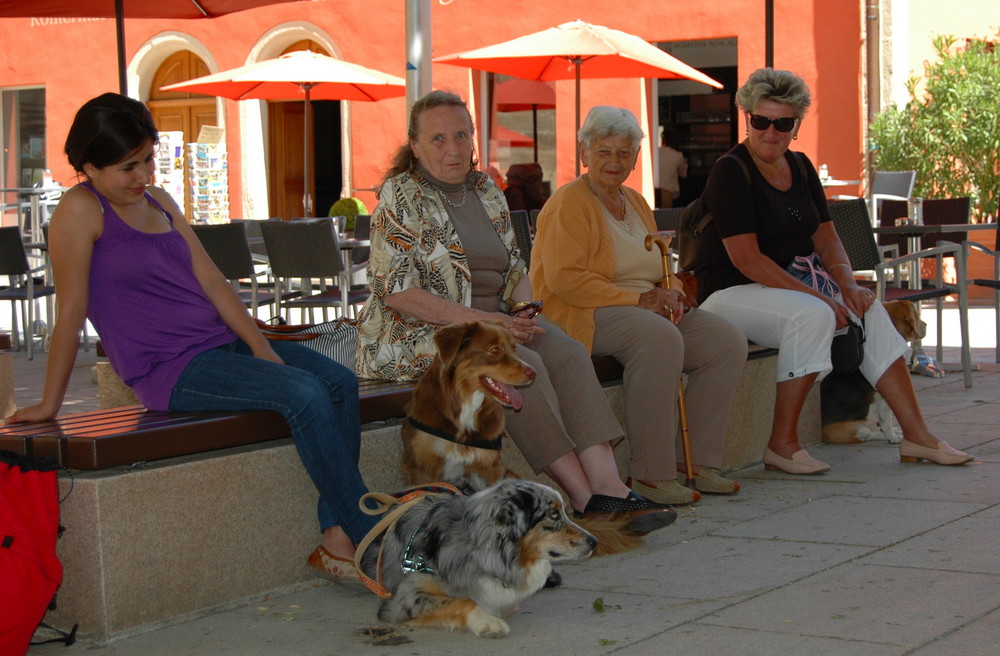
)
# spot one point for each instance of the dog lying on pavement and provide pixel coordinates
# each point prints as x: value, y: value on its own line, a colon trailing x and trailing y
x: 466, y: 562
x: 846, y: 399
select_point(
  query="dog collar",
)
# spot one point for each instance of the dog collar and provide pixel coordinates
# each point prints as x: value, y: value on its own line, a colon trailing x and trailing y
x: 493, y: 445
x: 414, y: 563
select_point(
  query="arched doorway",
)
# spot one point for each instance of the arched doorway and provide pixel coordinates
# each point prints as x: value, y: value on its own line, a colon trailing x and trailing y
x: 181, y: 111
x: 286, y: 122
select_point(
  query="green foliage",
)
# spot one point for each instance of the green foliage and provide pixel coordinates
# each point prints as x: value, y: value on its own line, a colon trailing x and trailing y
x: 349, y: 207
x: 949, y: 131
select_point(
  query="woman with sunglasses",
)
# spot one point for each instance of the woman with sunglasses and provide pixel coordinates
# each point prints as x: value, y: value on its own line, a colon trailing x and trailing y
x: 768, y: 207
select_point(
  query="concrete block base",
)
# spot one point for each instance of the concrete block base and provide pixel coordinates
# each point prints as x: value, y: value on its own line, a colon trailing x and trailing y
x: 177, y: 538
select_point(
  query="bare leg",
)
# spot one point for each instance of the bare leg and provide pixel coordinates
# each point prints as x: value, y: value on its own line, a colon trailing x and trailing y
x: 789, y: 399
x: 896, y: 388
x: 599, y: 464
x: 593, y: 472
x: 337, y: 543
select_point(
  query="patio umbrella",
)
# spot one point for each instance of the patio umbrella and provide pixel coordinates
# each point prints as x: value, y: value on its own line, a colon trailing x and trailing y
x: 574, y: 50
x: 300, y: 74
x: 517, y: 95
x: 513, y: 138
x: 122, y: 9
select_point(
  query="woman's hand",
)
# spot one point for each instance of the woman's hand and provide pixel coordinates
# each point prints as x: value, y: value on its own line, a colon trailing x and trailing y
x: 858, y: 299
x: 839, y: 311
x: 522, y: 328
x: 668, y: 303
x: 265, y: 352
x: 31, y: 414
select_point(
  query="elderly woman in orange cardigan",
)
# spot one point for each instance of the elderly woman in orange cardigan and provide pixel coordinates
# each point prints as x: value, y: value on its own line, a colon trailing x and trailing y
x: 599, y: 283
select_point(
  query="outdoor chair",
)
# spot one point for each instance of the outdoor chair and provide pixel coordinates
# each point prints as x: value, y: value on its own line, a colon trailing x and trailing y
x: 936, y: 211
x: 254, y: 237
x: 533, y: 220
x: 886, y: 185
x: 992, y: 283
x: 304, y: 251
x: 850, y: 218
x: 226, y: 244
x: 522, y: 234
x: 668, y: 218
x: 22, y: 287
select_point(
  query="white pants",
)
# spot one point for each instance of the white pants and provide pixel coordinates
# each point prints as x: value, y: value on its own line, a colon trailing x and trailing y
x: 802, y: 327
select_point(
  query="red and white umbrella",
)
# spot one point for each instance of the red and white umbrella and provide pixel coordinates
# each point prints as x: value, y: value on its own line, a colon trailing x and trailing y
x: 297, y: 75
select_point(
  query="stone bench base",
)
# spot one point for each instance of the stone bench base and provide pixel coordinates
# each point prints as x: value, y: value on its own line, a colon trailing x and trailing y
x: 174, y: 539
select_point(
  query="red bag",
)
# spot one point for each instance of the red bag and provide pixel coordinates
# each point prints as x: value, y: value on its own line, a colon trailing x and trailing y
x: 30, y: 571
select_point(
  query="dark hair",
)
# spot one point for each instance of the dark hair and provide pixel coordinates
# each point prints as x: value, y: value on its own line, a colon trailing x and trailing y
x: 106, y: 129
x: 671, y: 138
x: 404, y: 161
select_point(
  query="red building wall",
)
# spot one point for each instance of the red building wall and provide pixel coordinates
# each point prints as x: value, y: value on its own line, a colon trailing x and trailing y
x: 75, y: 60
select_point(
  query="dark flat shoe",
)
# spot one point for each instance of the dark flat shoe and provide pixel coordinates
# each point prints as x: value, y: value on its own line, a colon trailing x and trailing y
x: 644, y: 515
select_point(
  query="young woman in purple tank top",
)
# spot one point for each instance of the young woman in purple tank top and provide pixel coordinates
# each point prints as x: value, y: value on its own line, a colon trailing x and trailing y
x: 124, y: 256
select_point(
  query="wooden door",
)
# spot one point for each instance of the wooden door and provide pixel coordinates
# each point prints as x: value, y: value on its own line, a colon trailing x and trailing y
x: 179, y: 110
x: 286, y: 138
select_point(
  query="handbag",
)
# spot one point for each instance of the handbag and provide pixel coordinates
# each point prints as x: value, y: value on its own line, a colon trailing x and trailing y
x: 848, y: 348
x: 337, y: 340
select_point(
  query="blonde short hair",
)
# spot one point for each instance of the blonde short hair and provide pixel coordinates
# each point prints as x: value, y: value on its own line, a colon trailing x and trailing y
x: 779, y: 86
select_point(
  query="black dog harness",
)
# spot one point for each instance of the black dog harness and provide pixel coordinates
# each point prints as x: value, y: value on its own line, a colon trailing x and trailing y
x: 493, y: 445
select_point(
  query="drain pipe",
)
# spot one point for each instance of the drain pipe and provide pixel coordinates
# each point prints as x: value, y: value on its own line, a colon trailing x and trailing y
x: 873, y: 43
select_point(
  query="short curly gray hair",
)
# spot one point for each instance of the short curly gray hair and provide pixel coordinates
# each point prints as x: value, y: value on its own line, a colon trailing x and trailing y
x: 604, y: 121
x: 779, y: 86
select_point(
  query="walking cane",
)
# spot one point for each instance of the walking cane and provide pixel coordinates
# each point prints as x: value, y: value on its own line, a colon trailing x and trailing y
x: 663, y: 243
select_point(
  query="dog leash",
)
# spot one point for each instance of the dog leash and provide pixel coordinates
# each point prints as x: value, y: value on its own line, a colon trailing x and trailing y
x: 393, y: 506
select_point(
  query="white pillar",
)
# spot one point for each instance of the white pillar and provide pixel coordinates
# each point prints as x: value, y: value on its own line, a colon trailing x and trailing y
x: 418, y: 50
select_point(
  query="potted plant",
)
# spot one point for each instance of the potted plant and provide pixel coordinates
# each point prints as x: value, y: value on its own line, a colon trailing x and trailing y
x: 348, y: 207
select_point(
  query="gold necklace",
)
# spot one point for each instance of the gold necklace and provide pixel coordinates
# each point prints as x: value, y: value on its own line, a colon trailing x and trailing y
x: 778, y: 177
x: 607, y: 202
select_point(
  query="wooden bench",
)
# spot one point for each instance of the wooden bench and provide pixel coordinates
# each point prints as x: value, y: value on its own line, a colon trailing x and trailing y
x: 114, y: 437
x: 122, y: 436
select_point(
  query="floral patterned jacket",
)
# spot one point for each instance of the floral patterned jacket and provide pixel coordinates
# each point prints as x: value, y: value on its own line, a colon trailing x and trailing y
x: 415, y: 244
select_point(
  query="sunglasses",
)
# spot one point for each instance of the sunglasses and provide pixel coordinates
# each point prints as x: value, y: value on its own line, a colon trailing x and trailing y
x: 758, y: 122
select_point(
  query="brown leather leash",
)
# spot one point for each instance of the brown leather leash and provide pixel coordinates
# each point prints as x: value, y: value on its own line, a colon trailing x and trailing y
x: 393, y: 507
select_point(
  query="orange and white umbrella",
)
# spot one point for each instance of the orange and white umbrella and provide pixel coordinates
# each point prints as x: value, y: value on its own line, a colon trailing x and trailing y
x: 300, y: 74
x: 577, y: 50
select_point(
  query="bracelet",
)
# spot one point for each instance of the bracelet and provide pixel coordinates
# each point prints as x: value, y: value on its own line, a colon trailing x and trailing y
x: 843, y: 265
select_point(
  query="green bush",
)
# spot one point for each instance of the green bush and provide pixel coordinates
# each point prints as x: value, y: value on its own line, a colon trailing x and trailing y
x: 949, y: 131
x: 349, y: 207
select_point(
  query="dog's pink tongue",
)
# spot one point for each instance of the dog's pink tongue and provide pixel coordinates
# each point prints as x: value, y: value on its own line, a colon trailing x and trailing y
x: 504, y: 393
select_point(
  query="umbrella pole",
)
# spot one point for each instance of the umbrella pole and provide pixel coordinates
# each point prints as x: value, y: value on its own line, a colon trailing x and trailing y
x: 120, y: 34
x: 576, y: 63
x: 534, y: 128
x: 307, y: 198
x: 663, y: 244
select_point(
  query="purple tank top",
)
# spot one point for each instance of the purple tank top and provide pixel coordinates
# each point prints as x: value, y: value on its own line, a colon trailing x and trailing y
x: 148, y: 307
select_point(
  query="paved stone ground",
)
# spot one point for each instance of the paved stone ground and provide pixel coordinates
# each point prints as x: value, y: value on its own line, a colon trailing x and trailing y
x: 873, y: 558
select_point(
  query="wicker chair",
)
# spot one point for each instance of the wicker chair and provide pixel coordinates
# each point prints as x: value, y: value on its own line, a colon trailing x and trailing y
x: 668, y: 218
x: 992, y: 283
x: 22, y: 289
x: 522, y: 233
x: 937, y: 211
x: 306, y: 251
x: 227, y: 245
x: 850, y: 217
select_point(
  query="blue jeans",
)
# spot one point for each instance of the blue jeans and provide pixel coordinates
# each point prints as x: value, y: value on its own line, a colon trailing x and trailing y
x: 316, y: 396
